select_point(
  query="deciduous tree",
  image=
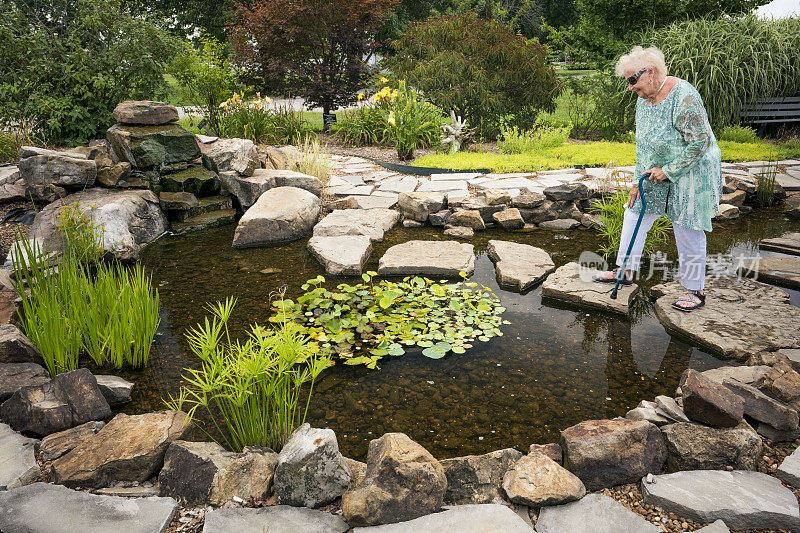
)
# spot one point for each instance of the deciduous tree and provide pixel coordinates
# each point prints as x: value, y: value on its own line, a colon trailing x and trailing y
x: 316, y: 49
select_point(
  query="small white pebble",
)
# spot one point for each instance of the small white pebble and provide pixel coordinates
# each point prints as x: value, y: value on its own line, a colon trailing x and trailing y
x: 237, y: 499
x: 480, y: 438
x: 651, y: 478
x: 430, y: 382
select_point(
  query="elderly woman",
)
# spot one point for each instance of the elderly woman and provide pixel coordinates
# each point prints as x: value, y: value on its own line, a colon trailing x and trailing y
x: 675, y: 145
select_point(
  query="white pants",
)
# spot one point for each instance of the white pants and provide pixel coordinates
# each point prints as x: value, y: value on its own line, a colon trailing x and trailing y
x: 691, y: 249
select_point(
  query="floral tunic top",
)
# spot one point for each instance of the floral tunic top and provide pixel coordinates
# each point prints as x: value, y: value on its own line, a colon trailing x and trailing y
x: 675, y: 135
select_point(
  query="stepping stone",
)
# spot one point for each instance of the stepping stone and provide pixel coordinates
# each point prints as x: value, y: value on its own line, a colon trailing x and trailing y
x: 788, y: 182
x: 788, y: 243
x: 742, y: 499
x: 473, y: 518
x: 573, y: 283
x: 46, y: 507
x: 784, y: 271
x: 511, y: 183
x: 594, y: 513
x: 560, y: 224
x: 353, y: 180
x: 559, y: 171
x: 399, y: 184
x: 18, y: 465
x: 428, y: 258
x: 508, y: 175
x: 376, y: 202
x: 378, y: 175
x: 372, y: 223
x: 276, y: 519
x: 455, y: 176
x: 789, y: 471
x: 357, y: 169
x: 568, y: 178
x: 520, y: 265
x: 341, y: 256
x: 741, y: 317
x: 444, y: 186
x: 358, y: 190
x: 479, y: 180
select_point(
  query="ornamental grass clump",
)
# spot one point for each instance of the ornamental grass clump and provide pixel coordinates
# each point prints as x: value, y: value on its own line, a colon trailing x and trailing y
x: 72, y: 302
x: 250, y: 390
x: 314, y: 160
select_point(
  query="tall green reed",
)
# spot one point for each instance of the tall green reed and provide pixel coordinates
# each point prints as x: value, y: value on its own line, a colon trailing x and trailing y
x: 72, y: 302
x: 251, y: 390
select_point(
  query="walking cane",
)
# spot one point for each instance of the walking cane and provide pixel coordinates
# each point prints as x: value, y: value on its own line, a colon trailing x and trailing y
x: 621, y: 271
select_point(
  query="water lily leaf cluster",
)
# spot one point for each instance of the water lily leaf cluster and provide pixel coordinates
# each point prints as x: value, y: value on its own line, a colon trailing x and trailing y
x: 362, y: 323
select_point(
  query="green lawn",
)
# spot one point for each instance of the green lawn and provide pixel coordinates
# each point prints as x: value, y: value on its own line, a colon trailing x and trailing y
x: 593, y: 154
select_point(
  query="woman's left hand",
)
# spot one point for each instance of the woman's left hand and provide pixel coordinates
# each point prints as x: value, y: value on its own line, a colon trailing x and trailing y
x: 657, y: 175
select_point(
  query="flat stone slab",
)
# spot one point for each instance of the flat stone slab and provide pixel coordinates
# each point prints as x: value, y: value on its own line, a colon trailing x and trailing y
x: 372, y: 223
x: 783, y: 271
x: 741, y: 498
x: 788, y: 243
x: 520, y: 265
x: 789, y: 471
x: 343, y: 255
x: 741, y: 316
x: 788, y: 182
x: 511, y: 183
x: 428, y: 258
x: 573, y: 283
x: 594, y: 513
x: 474, y: 518
x: 444, y: 186
x: 276, y: 519
x: 18, y: 465
x: 743, y: 374
x: 455, y: 176
x: 399, y: 184
x: 376, y: 202
x: 43, y: 507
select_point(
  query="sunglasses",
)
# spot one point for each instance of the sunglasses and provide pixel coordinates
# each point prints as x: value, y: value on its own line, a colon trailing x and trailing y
x: 635, y: 78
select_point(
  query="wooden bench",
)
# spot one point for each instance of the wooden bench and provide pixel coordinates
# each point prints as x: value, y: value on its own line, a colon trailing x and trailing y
x: 771, y: 111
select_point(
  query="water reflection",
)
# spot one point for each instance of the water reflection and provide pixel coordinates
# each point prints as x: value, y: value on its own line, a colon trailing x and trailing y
x: 554, y: 366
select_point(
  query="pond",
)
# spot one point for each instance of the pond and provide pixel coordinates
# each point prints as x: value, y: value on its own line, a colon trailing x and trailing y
x: 555, y: 365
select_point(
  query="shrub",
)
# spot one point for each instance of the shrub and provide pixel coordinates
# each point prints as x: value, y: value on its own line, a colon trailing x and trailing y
x: 250, y: 389
x: 732, y: 61
x: 600, y: 107
x: 478, y: 69
x: 76, y: 303
x: 514, y: 141
x: 245, y: 120
x: 739, y: 134
x: 67, y: 68
x: 206, y: 78
x: 611, y: 209
x: 362, y: 126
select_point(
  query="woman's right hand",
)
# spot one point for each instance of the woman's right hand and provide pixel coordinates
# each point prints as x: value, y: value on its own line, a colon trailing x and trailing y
x: 634, y: 195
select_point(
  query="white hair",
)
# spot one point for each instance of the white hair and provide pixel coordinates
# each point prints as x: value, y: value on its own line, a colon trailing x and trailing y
x: 640, y: 58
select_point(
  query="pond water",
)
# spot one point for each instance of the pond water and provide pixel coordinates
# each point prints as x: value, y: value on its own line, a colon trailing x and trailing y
x: 555, y: 365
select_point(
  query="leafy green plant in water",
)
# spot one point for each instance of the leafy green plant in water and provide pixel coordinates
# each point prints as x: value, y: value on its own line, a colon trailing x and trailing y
x: 765, y: 184
x: 611, y: 210
x: 251, y: 389
x: 363, y: 323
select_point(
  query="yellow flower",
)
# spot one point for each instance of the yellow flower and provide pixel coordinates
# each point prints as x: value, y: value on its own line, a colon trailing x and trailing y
x: 383, y: 80
x: 391, y: 119
x: 360, y: 96
x: 394, y: 94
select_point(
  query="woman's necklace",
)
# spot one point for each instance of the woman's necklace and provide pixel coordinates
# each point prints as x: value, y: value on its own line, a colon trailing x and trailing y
x: 653, y: 100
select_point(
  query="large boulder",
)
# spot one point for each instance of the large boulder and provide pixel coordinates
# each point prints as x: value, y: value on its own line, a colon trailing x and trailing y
x: 420, y: 205
x: 247, y: 189
x: 428, y: 258
x: 128, y: 220
x: 18, y: 464
x: 66, y: 401
x: 468, y: 218
x: 16, y: 347
x: 520, y: 265
x: 762, y: 408
x: 238, y: 155
x: 536, y: 480
x: 605, y: 453
x: 14, y: 376
x: 567, y: 192
x: 697, y: 447
x: 55, y: 445
x: 781, y: 382
x: 477, y: 478
x: 46, y: 507
x: 203, y: 473
x: 403, y: 482
x: 510, y: 219
x: 280, y: 214
x: 194, y: 179
x: 147, y: 147
x: 115, y: 390
x: 145, y: 113
x: 129, y: 448
x: 47, y: 173
x: 708, y: 402
x: 311, y: 471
